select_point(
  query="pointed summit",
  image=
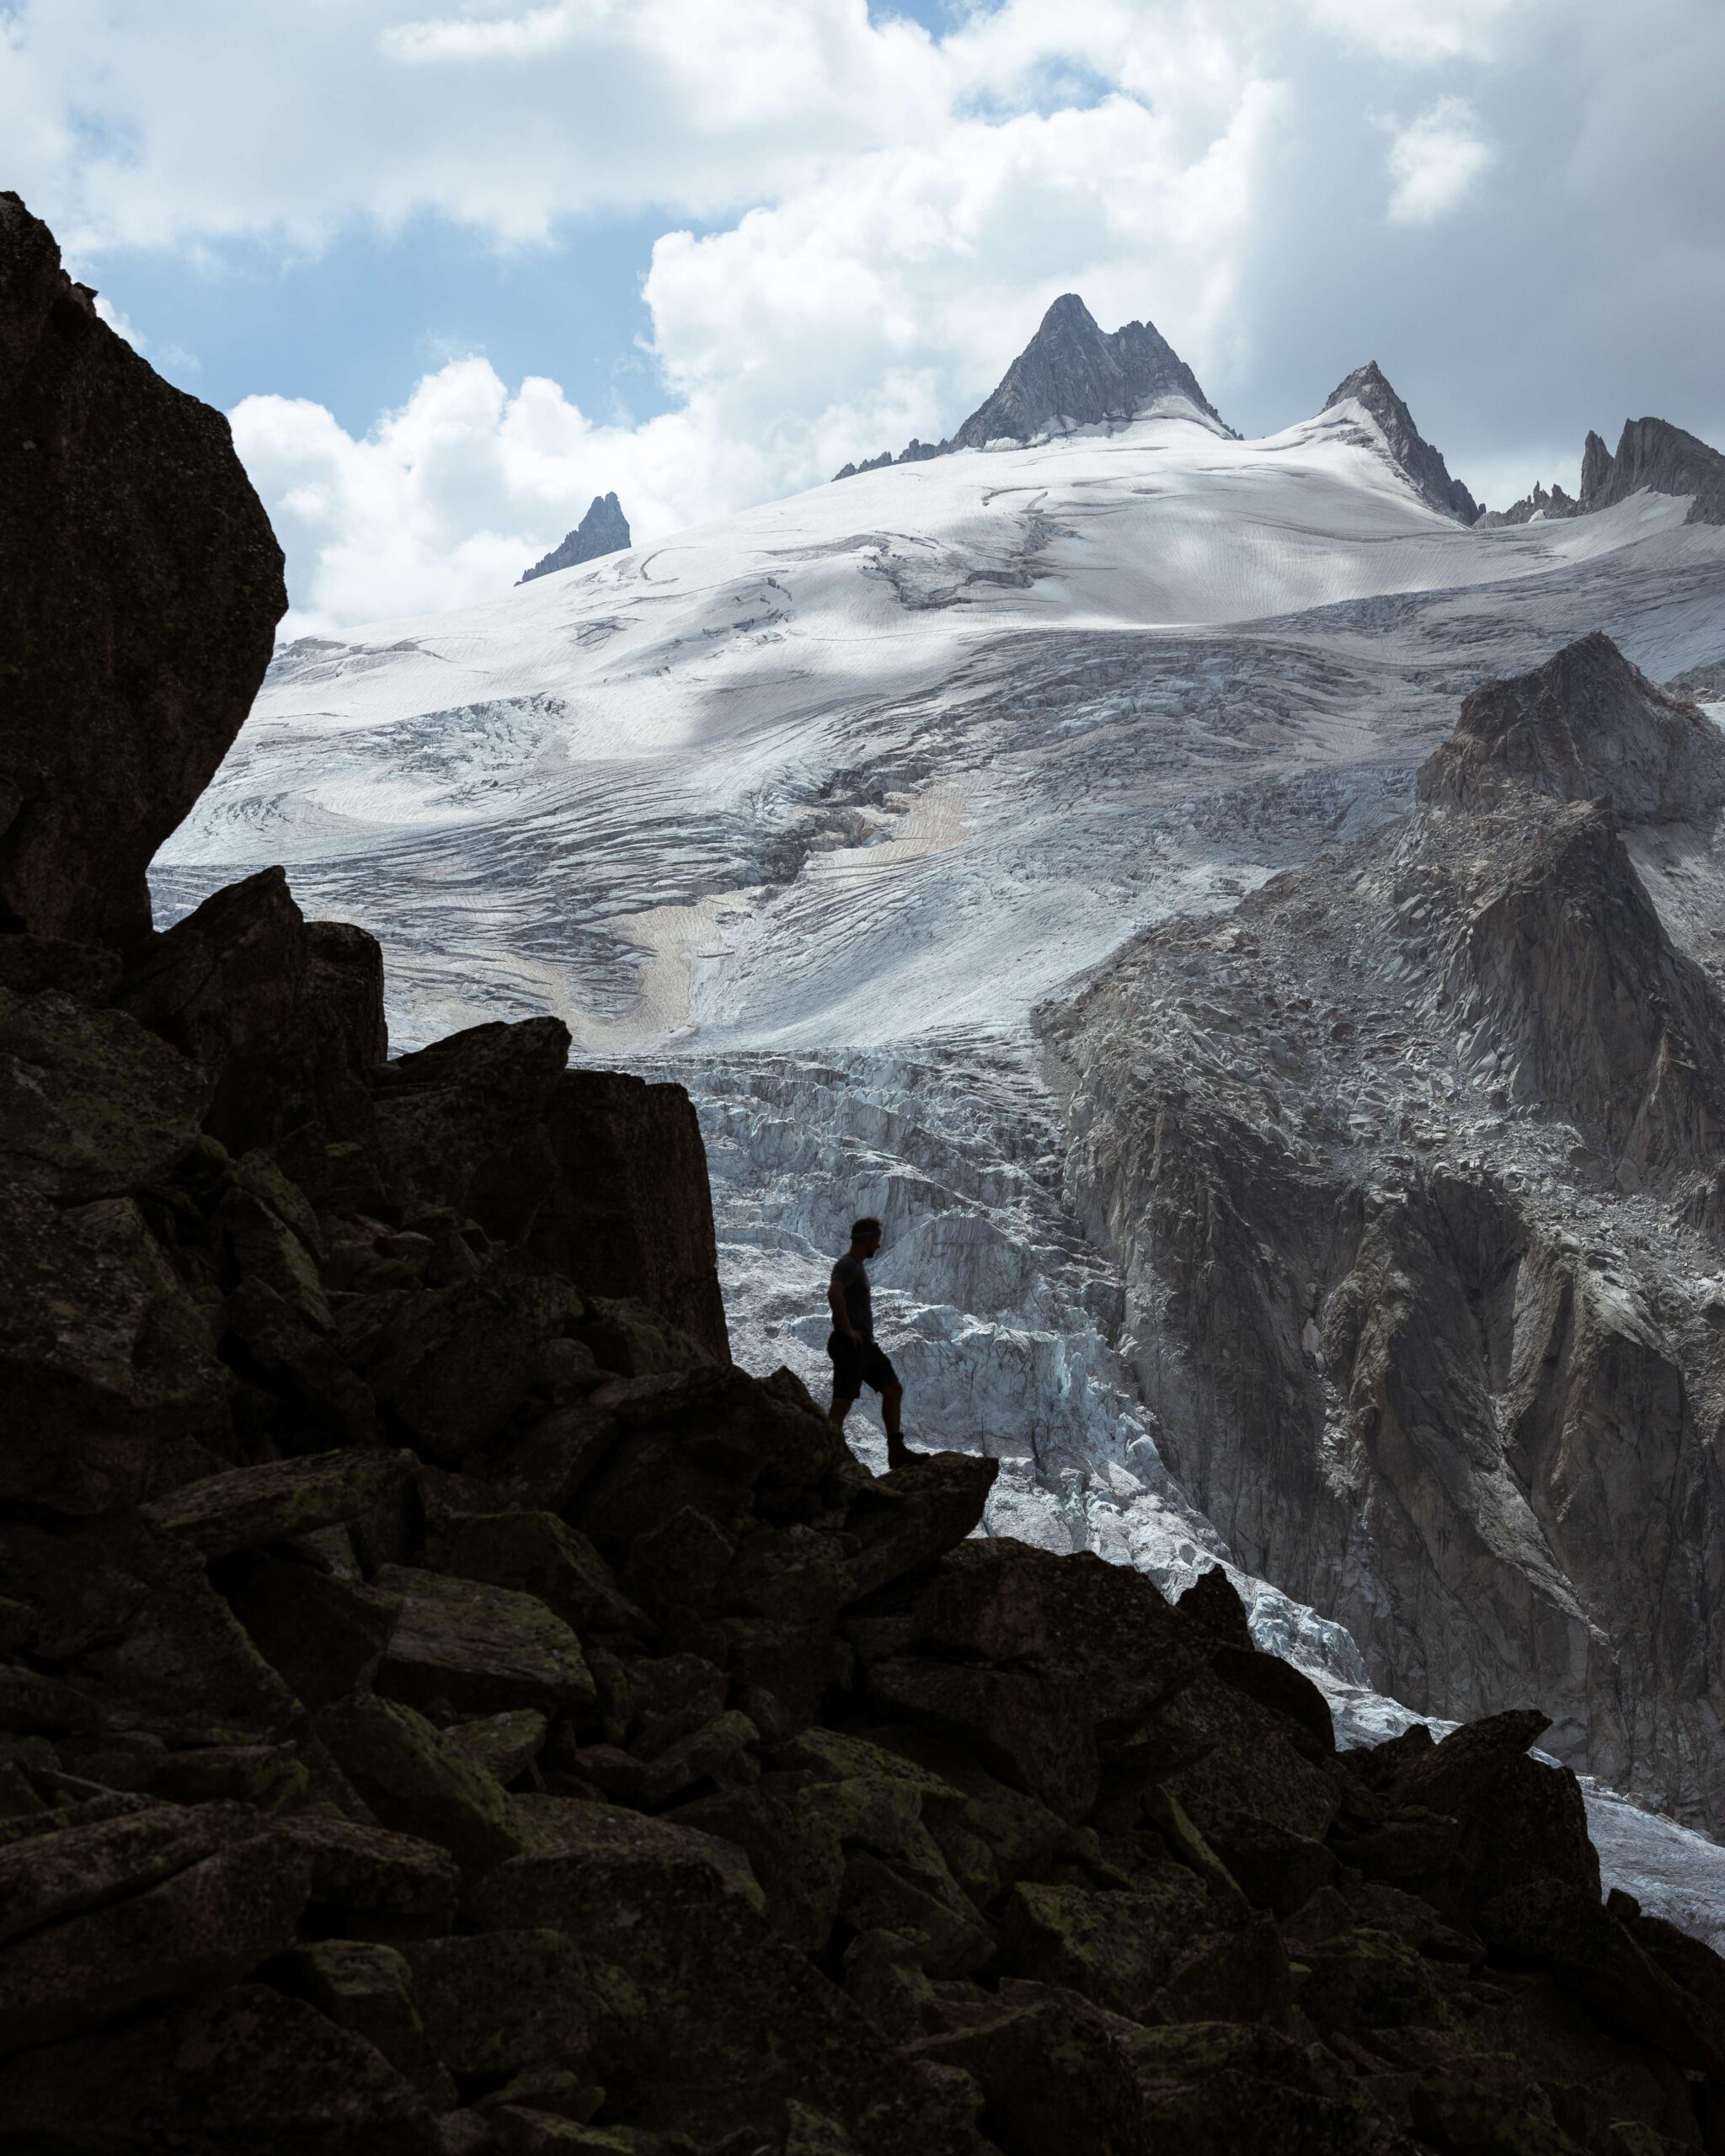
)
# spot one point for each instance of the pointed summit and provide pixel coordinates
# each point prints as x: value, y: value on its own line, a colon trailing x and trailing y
x: 604, y: 530
x: 1368, y: 388
x: 1654, y: 454
x: 1071, y: 374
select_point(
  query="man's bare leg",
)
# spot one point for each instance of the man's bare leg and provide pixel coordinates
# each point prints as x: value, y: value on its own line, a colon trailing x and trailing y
x: 891, y: 1403
x: 840, y: 1408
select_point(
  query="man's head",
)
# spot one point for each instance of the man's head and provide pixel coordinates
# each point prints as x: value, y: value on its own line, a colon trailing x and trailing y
x: 865, y: 1236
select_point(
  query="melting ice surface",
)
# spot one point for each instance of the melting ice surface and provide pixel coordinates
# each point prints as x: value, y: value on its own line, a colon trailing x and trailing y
x: 810, y: 807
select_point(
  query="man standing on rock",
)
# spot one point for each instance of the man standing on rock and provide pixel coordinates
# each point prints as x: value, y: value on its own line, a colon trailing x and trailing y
x: 856, y: 1359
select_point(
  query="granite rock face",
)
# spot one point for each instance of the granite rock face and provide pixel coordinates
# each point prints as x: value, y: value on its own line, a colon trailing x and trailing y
x: 1654, y: 454
x: 140, y: 587
x: 1410, y: 1163
x: 604, y: 530
x: 446, y: 1710
x: 1585, y: 726
x: 1367, y: 387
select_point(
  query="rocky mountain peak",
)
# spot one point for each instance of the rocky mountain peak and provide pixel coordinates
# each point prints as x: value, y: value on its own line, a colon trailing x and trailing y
x: 1586, y: 725
x: 1072, y: 373
x: 604, y: 530
x: 1653, y: 455
x: 1370, y: 387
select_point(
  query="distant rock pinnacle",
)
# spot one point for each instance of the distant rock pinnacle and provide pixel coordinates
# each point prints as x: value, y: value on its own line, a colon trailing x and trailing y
x: 604, y: 530
x: 1071, y: 374
x: 1367, y: 386
x: 1654, y: 454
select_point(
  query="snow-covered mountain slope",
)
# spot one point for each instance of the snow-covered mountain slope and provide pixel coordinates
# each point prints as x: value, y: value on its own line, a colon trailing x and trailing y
x: 814, y: 804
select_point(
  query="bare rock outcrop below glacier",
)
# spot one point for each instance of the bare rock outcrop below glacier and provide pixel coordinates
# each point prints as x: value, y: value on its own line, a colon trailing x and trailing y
x: 140, y: 587
x: 1585, y: 726
x: 1406, y: 1163
x: 1412, y: 454
x: 604, y: 530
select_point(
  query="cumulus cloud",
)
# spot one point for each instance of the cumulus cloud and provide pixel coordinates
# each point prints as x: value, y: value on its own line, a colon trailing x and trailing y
x: 1423, y: 32
x: 1434, y: 161
x: 861, y: 222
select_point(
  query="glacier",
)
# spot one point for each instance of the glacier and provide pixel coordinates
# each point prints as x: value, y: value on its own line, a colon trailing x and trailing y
x: 809, y: 808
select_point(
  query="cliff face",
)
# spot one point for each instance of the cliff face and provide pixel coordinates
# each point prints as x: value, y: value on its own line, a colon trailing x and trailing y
x: 1409, y: 1162
x: 1654, y: 454
x: 140, y: 585
x: 446, y: 1710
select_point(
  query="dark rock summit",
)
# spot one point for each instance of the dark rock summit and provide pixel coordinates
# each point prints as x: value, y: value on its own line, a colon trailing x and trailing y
x: 448, y: 1710
x: 1586, y: 725
x: 140, y: 587
x: 604, y: 530
x: 1411, y: 453
x: 1071, y: 374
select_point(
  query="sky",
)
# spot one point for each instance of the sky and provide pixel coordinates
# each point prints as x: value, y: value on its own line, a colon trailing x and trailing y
x: 451, y: 271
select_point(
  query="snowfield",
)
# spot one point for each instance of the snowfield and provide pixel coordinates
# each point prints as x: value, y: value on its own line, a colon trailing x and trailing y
x: 810, y: 808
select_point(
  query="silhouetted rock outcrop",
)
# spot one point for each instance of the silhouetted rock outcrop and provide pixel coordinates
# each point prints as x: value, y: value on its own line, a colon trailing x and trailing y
x: 1412, y: 454
x: 446, y: 1710
x: 604, y: 530
x: 140, y: 587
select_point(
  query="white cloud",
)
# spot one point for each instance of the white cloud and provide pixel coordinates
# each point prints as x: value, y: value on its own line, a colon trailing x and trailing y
x: 1434, y: 161
x: 1423, y: 32
x: 881, y: 300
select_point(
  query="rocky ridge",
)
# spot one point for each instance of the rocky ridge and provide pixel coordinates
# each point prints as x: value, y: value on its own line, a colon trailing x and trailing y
x: 1071, y: 374
x: 1652, y: 455
x: 445, y: 1707
x: 604, y: 530
x: 1410, y: 1163
x: 1408, y: 449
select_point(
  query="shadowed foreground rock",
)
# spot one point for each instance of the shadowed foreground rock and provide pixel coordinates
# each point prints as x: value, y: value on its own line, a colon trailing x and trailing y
x: 140, y: 587
x: 445, y: 1709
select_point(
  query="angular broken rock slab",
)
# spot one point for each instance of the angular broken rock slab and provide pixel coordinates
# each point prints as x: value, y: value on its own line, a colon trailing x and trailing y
x: 482, y: 1648
x: 204, y: 1925
x: 398, y: 1764
x: 250, y: 1506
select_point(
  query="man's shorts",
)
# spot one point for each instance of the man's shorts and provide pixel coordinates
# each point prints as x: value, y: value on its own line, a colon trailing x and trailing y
x: 857, y: 1363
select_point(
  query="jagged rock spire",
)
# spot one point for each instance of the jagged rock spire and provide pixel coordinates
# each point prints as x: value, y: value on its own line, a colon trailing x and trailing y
x: 604, y: 530
x: 1368, y: 388
x: 1071, y: 373
x: 1654, y: 454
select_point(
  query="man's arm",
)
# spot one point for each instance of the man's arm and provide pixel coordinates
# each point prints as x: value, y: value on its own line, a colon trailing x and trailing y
x: 841, y: 1310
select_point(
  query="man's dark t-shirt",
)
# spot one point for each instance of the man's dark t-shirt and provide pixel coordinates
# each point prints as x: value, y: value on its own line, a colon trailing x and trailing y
x: 852, y: 1276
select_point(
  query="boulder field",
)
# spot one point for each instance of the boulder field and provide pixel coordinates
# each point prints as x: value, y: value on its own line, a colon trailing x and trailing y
x: 447, y: 1707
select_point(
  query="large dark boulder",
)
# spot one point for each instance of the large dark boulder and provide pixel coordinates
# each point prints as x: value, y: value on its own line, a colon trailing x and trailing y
x: 1585, y: 726
x: 140, y: 587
